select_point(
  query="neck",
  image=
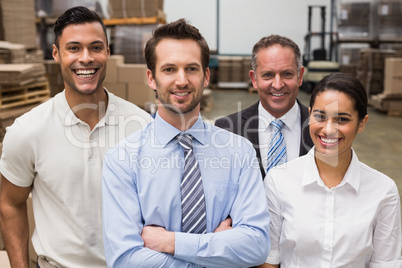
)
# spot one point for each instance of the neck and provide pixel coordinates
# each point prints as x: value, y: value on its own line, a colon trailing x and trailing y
x: 182, y: 122
x: 332, y: 169
x: 88, y: 108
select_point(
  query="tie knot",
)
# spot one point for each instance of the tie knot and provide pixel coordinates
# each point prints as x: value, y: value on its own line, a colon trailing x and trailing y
x: 278, y: 124
x: 185, y: 140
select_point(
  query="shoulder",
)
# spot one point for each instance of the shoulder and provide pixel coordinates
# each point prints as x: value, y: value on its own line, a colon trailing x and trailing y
x: 290, y: 169
x: 235, y: 118
x: 303, y: 108
x: 226, y: 121
x: 378, y: 180
x: 132, y: 144
x: 35, y: 117
x: 129, y: 108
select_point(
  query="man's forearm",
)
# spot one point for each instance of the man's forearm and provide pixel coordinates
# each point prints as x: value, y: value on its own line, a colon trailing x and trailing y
x: 158, y: 239
x: 15, y: 232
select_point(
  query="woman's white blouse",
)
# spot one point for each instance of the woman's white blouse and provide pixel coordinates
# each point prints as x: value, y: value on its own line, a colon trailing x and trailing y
x: 355, y: 224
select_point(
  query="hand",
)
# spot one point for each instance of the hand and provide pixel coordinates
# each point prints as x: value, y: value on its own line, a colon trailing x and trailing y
x: 225, y: 225
x: 158, y: 239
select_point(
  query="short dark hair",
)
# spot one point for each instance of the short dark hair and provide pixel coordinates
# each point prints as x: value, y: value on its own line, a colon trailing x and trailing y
x: 275, y: 39
x: 179, y: 30
x: 346, y: 84
x: 76, y: 15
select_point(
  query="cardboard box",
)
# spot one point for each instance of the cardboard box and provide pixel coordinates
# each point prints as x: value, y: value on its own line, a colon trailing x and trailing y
x: 132, y: 73
x: 393, y: 76
x: 118, y: 89
x: 134, y: 8
x: 17, y: 22
x: 391, y: 105
x: 111, y: 70
x: 139, y: 94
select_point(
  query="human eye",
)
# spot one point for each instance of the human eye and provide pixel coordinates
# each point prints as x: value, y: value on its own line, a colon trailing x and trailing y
x: 319, y: 117
x: 288, y: 74
x: 343, y: 119
x: 168, y: 70
x: 266, y: 75
x: 97, y: 48
x: 192, y: 69
x: 73, y: 48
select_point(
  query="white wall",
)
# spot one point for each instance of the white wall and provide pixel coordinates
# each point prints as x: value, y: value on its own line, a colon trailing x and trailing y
x: 243, y: 22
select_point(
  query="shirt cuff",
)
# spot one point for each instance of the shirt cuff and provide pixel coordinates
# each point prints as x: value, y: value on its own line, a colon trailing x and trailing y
x: 186, y: 246
x: 390, y: 264
x: 273, y: 257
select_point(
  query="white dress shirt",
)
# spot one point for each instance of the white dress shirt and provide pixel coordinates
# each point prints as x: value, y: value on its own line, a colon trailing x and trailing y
x: 355, y: 224
x: 291, y: 132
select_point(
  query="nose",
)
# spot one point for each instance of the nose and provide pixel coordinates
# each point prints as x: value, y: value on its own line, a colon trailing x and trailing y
x: 181, y: 79
x: 86, y: 56
x: 331, y: 127
x: 277, y: 82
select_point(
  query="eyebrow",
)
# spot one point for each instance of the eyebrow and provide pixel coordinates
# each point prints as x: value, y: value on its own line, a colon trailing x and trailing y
x: 173, y: 65
x: 339, y: 114
x: 78, y: 43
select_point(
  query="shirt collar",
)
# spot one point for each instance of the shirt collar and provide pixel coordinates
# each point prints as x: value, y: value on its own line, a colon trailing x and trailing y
x: 165, y: 132
x: 68, y: 118
x: 289, y: 119
x: 311, y: 175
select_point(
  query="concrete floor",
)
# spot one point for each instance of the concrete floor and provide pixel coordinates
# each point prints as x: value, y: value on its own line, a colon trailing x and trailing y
x: 379, y: 146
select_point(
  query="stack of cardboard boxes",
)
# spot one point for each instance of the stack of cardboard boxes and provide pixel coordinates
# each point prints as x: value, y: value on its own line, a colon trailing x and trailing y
x: 390, y: 100
x: 12, y: 53
x: 349, y: 57
x: 355, y: 20
x: 128, y: 81
x: 371, y: 69
x: 130, y: 39
x: 135, y: 8
x: 17, y: 22
x: 22, y: 84
x: 233, y: 70
x: 390, y: 20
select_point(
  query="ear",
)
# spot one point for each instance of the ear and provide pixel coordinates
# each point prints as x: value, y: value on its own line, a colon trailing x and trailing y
x: 253, y: 78
x: 206, y: 78
x: 362, y: 124
x: 151, y: 80
x: 301, y: 73
x: 108, y: 51
x: 55, y: 54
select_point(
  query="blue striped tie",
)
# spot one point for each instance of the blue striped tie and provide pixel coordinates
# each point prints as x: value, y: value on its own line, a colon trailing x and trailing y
x: 192, y: 191
x: 277, y: 146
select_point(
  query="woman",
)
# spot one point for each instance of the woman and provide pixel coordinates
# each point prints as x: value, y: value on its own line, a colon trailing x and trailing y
x: 327, y: 208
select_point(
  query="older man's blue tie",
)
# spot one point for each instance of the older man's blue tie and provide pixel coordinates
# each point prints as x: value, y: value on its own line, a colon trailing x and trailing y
x: 277, y: 146
x: 192, y: 191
